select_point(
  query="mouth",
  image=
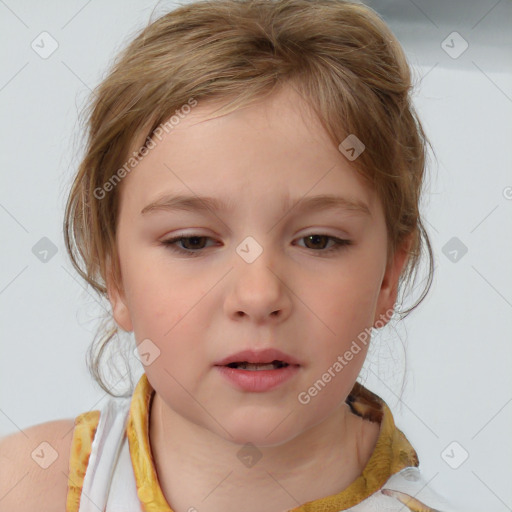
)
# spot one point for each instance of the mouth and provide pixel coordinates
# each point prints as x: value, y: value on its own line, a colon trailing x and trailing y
x: 258, y: 360
x: 245, y: 365
x: 262, y: 371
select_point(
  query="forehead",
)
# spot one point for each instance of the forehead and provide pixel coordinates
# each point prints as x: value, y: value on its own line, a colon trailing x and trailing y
x: 286, y: 105
x: 276, y: 142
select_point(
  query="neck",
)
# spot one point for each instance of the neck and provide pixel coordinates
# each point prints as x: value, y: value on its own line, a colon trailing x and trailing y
x: 197, y: 469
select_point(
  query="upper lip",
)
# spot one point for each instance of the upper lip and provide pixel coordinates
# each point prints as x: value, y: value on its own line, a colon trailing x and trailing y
x: 258, y: 356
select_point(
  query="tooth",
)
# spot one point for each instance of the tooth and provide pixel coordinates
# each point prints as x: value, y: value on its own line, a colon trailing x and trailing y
x: 256, y: 366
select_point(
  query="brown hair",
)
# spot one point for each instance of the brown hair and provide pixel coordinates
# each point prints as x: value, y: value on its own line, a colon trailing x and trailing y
x: 340, y: 56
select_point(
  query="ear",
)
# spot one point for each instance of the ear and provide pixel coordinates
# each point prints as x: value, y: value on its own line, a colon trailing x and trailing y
x: 389, y: 287
x: 118, y: 301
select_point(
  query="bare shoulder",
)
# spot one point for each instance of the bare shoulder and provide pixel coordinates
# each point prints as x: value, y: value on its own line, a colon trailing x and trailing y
x: 34, y: 467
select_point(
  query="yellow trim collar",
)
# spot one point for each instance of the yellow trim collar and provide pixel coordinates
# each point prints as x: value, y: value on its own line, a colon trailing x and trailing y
x: 392, y: 453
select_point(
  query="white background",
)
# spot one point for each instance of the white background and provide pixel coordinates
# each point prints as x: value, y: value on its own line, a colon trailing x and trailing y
x: 458, y: 343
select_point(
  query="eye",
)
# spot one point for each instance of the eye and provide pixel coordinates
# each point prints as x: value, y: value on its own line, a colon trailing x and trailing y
x: 319, y: 239
x: 195, y: 242
x: 192, y: 245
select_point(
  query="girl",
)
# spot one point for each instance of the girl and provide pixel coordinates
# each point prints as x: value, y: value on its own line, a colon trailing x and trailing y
x: 248, y: 203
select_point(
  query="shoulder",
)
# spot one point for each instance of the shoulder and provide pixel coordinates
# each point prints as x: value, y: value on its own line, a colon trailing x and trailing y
x: 34, y: 466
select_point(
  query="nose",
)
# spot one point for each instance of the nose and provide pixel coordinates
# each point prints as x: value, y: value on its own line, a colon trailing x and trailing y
x: 258, y: 290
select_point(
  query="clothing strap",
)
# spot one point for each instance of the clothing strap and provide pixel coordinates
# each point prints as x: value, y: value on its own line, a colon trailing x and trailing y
x: 405, y: 490
x: 123, y: 491
x: 105, y: 451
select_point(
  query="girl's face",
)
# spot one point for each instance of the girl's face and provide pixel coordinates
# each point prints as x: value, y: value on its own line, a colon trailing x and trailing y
x: 262, y: 271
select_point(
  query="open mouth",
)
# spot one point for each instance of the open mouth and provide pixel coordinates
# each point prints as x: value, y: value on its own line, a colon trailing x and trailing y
x: 260, y: 377
x: 244, y: 365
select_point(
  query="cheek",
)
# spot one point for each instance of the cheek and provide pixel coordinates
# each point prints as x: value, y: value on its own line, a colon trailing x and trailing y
x: 341, y: 309
x: 346, y: 296
x: 170, y: 314
x: 157, y: 297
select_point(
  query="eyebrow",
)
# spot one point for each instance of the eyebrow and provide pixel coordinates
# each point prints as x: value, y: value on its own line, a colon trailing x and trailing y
x: 193, y: 203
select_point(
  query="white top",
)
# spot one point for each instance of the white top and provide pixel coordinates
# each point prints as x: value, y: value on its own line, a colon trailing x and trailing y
x: 109, y: 482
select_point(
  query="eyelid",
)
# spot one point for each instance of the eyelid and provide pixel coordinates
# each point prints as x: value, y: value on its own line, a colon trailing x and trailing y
x: 339, y: 244
x: 308, y: 232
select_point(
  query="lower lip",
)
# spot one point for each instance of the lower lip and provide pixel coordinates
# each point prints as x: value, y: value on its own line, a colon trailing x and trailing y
x: 257, y: 381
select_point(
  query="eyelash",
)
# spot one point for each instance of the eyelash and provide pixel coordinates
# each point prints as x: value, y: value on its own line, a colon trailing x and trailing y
x: 339, y: 244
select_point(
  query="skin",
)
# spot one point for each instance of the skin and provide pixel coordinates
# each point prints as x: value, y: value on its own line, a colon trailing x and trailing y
x: 200, y: 309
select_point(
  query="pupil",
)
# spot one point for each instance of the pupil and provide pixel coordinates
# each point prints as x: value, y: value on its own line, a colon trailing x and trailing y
x: 315, y: 238
x: 193, y: 240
